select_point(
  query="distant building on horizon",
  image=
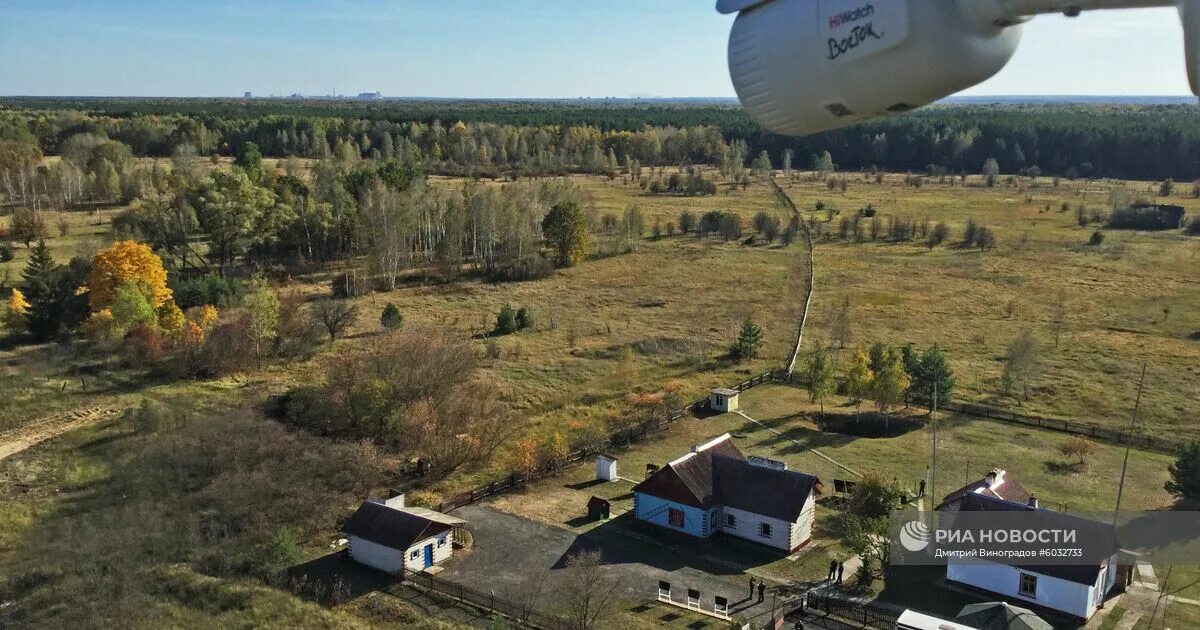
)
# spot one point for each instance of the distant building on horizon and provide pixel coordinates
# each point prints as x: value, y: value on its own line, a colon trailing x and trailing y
x: 248, y: 94
x: 370, y: 95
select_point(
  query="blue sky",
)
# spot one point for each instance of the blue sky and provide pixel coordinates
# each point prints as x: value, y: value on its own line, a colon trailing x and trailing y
x: 486, y: 48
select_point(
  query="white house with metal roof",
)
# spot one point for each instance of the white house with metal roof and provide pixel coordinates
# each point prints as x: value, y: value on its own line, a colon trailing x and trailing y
x: 715, y: 489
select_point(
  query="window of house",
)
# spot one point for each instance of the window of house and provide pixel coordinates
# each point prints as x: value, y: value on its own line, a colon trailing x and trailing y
x: 1028, y: 585
x: 730, y: 520
x: 675, y: 517
x: 764, y: 530
x: 441, y: 542
x: 413, y: 554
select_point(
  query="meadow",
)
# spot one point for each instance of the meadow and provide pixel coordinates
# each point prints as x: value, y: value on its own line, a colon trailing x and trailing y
x: 610, y: 326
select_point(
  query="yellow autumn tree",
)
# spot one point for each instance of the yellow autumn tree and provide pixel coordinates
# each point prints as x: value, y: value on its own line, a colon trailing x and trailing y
x: 204, y: 316
x: 17, y: 302
x: 170, y: 318
x: 14, y: 316
x: 126, y: 262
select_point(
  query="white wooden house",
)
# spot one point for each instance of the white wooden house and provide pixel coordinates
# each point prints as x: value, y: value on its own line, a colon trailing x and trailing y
x: 396, y: 539
x: 723, y: 400
x: 1076, y: 591
x: 714, y: 490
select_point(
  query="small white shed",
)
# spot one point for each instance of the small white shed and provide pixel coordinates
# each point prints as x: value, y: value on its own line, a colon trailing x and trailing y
x: 606, y: 468
x: 396, y: 540
x: 723, y: 400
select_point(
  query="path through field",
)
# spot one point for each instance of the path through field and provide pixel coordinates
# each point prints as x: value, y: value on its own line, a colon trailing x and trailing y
x: 786, y: 203
x: 38, y: 431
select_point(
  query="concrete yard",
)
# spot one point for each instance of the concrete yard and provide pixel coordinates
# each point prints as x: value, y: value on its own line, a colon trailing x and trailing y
x: 508, y: 550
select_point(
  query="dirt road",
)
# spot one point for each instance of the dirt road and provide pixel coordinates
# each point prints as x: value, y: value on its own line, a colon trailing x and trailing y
x: 38, y: 431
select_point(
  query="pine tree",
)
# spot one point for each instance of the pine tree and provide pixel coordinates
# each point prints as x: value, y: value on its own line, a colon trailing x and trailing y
x: 749, y: 340
x: 43, y: 318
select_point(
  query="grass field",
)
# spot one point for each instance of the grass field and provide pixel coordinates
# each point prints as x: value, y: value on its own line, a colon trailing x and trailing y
x: 1134, y: 298
x: 678, y: 302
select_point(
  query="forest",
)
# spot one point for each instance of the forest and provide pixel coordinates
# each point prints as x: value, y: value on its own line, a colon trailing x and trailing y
x: 526, y: 137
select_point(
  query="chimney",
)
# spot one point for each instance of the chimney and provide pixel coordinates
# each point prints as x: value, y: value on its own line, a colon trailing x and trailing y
x: 1034, y: 503
x: 994, y: 478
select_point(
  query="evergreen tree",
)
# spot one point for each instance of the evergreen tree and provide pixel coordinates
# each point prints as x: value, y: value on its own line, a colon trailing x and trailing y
x: 933, y: 369
x: 748, y: 342
x: 391, y: 318
x: 1185, y: 474
x: 506, y: 321
x: 43, y: 318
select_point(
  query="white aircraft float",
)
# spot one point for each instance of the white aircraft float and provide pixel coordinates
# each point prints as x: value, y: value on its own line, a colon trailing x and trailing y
x: 805, y: 66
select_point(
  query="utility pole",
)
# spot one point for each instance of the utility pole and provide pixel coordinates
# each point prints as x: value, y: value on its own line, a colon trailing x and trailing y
x: 1128, y: 447
x: 933, y: 466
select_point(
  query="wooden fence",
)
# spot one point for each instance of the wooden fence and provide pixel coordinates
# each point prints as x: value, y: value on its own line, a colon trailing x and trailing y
x: 525, y: 616
x: 618, y: 440
x: 1060, y: 425
x: 1095, y: 432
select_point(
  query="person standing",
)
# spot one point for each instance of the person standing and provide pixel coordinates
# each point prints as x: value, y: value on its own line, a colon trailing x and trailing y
x: 921, y: 489
x: 762, y: 590
x: 840, y: 569
x: 832, y: 570
x: 752, y: 583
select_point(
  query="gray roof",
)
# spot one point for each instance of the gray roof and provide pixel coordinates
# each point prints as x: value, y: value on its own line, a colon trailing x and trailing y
x: 719, y: 474
x: 780, y: 494
x: 724, y: 391
x: 1085, y: 574
x: 1001, y: 616
x: 391, y: 527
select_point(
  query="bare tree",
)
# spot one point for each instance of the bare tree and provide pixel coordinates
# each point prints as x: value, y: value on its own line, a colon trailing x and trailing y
x: 1022, y: 365
x: 527, y: 595
x: 587, y: 592
x: 1059, y: 321
x: 842, y: 326
x: 336, y: 316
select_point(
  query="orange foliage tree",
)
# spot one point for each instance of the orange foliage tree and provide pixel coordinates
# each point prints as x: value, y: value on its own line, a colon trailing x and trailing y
x: 126, y: 262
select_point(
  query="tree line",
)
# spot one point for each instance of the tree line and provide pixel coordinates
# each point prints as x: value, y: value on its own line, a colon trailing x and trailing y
x: 1133, y: 142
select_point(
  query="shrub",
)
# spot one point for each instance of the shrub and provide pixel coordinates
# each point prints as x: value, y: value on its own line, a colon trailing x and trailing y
x: 531, y: 267
x: 506, y: 321
x: 151, y: 417
x: 524, y: 319
x: 1193, y: 227
x: 143, y: 345
x: 423, y: 499
x: 970, y: 232
x: 6, y: 253
x: 391, y: 318
x: 1097, y: 238
x: 1077, y: 447
x: 206, y: 290
x: 1146, y: 217
x: 229, y: 348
